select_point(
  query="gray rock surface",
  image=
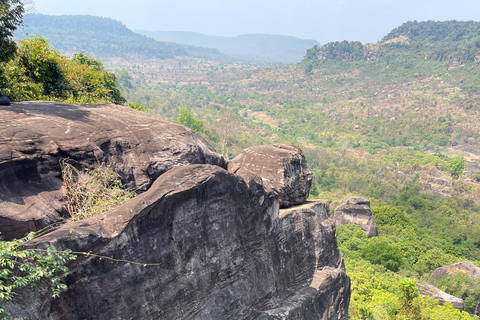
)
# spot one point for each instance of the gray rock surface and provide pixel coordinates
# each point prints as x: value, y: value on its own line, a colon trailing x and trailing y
x: 223, y: 248
x: 357, y: 211
x: 427, y: 289
x: 450, y: 270
x: 35, y: 136
x: 281, y: 167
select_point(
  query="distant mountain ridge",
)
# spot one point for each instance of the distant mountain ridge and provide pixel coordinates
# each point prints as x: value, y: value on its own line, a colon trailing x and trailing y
x: 444, y: 41
x: 103, y: 38
x: 273, y: 48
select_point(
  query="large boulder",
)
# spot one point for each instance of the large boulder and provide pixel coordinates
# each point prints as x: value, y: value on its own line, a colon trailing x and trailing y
x: 281, y: 167
x: 214, y: 247
x: 357, y: 211
x: 4, y: 100
x: 466, y: 267
x: 35, y: 136
x: 427, y: 289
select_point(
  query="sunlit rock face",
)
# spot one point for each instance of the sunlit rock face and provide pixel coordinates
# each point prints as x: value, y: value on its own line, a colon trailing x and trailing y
x: 36, y: 136
x: 281, y: 167
x: 429, y: 290
x: 198, y: 242
x: 357, y: 211
x: 210, y: 246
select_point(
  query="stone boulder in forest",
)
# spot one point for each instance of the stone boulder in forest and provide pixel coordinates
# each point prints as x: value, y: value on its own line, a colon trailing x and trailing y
x: 427, y: 289
x: 466, y: 267
x: 357, y: 211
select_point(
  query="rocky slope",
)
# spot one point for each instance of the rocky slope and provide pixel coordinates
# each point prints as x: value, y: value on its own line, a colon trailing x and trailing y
x: 200, y: 243
x: 35, y: 136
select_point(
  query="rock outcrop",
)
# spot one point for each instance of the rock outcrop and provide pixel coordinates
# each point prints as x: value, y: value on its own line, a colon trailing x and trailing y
x: 429, y: 290
x: 35, y: 136
x: 466, y: 267
x: 198, y: 243
x: 357, y: 211
x: 215, y: 247
x: 4, y: 101
x: 281, y: 167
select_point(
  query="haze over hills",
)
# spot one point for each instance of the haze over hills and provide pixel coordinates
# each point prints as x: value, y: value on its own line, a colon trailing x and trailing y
x: 273, y: 48
x: 107, y: 38
x: 104, y: 38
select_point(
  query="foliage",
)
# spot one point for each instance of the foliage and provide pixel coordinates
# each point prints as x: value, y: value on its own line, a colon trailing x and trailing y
x: 11, y: 15
x: 476, y: 176
x: 38, y: 72
x: 137, y: 106
x: 383, y: 253
x: 185, y: 117
x: 457, y: 164
x: 92, y: 192
x: 389, y: 215
x: 380, y: 294
x: 462, y: 286
x: 409, y: 291
x: 22, y: 267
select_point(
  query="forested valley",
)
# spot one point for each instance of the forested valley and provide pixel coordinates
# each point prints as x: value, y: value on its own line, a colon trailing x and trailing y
x: 397, y: 121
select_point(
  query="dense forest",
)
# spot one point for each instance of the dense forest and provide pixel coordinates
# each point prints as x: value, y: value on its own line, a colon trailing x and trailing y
x: 397, y: 121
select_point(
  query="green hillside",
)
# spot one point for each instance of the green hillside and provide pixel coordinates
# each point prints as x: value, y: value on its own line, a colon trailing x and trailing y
x: 449, y: 41
x: 103, y: 38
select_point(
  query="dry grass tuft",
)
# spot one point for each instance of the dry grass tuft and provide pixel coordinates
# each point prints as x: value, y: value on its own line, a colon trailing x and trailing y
x: 93, y: 191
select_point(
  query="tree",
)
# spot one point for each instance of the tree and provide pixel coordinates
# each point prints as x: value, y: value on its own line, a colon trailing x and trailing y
x: 39, y: 72
x: 11, y: 15
x: 20, y: 267
x: 185, y: 117
x: 378, y: 252
x: 457, y: 164
x: 227, y: 126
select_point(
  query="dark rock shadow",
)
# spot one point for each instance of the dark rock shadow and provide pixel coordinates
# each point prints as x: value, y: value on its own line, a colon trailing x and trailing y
x: 58, y: 109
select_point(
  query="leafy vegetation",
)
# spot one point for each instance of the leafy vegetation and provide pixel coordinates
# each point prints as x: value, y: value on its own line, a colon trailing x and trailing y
x: 457, y: 164
x: 22, y: 267
x: 92, y: 192
x: 38, y: 72
x: 11, y: 16
x: 186, y: 118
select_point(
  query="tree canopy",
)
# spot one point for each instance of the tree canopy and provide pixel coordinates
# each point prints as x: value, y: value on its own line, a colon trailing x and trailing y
x: 11, y: 15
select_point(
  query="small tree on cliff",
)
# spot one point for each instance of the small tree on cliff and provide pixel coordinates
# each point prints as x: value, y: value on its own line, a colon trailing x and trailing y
x: 185, y: 117
x: 456, y: 164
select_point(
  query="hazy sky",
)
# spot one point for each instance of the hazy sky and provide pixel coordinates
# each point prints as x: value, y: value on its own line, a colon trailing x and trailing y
x: 322, y: 20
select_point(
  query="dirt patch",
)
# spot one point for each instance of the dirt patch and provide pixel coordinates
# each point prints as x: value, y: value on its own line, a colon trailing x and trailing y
x: 264, y: 117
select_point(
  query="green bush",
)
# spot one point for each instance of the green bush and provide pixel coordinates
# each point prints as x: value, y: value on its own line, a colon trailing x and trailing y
x: 456, y: 165
x: 38, y: 72
x: 378, y: 252
x: 389, y: 215
x: 185, y: 117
